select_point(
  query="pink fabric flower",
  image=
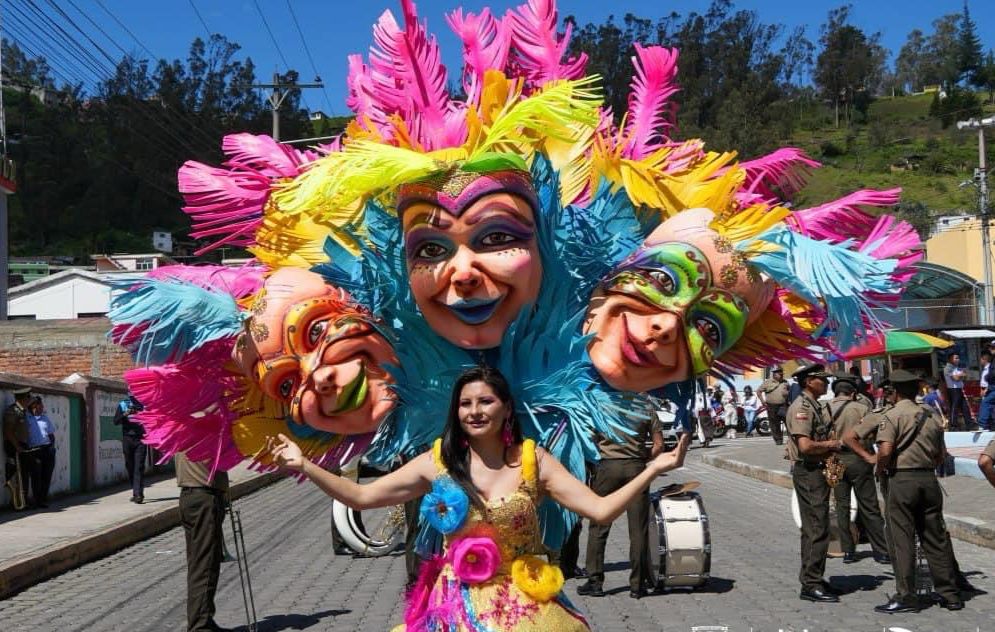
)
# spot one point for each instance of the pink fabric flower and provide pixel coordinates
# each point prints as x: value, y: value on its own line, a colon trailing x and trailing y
x: 474, y: 559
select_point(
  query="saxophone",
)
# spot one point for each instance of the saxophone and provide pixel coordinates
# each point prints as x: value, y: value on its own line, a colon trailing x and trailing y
x: 16, y: 485
x: 834, y: 467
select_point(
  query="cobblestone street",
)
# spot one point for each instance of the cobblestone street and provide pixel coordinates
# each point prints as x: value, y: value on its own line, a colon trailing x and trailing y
x: 300, y: 585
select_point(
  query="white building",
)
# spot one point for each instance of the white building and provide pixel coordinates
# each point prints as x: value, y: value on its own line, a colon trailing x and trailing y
x: 162, y: 241
x: 131, y: 263
x: 73, y: 293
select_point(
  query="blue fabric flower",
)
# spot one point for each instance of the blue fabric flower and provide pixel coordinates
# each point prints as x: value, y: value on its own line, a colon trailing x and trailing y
x: 446, y: 506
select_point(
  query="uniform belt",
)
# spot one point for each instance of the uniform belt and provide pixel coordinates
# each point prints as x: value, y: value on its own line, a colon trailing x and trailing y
x: 210, y: 490
x: 915, y: 469
x: 808, y: 465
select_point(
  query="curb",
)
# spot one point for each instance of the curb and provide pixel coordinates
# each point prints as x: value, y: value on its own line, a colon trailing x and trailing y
x: 43, y: 564
x: 963, y: 528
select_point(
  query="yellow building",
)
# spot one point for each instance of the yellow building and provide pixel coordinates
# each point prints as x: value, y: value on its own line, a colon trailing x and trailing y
x: 956, y: 243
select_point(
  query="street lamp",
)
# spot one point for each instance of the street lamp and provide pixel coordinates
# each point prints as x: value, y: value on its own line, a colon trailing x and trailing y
x: 981, y: 177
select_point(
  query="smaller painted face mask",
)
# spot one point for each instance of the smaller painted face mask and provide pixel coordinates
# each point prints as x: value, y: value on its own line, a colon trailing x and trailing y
x: 675, y: 277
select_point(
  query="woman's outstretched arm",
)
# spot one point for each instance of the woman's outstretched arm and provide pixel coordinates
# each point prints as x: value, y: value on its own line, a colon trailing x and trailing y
x: 412, y: 480
x: 578, y: 497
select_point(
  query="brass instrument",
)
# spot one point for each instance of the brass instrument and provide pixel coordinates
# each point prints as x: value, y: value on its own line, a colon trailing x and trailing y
x: 16, y: 485
x: 834, y: 470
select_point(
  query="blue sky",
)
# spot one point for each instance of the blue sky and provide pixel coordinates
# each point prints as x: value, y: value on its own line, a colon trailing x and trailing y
x: 335, y: 29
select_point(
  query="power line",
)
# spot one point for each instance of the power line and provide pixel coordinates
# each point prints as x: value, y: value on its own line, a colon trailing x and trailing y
x: 307, y: 49
x: 126, y: 29
x: 201, y: 18
x: 97, y: 26
x: 276, y: 45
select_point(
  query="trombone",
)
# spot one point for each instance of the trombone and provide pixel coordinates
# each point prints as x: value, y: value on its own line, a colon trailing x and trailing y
x: 241, y: 556
x: 16, y: 484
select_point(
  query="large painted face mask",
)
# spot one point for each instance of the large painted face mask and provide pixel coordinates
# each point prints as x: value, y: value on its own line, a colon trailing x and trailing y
x: 671, y: 308
x: 308, y: 346
x: 471, y: 252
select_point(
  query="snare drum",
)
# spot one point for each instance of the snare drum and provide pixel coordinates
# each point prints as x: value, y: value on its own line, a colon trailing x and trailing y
x: 685, y: 544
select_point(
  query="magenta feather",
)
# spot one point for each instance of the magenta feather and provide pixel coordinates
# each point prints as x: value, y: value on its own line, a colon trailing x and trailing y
x: 189, y: 405
x: 538, y: 51
x: 844, y: 218
x: 363, y: 98
x: 238, y: 282
x: 651, y: 113
x: 227, y: 203
x: 486, y: 45
x: 778, y: 175
x: 411, y: 79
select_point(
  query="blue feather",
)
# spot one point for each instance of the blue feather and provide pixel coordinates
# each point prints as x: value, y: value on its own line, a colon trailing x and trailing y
x: 173, y: 317
x: 835, y: 276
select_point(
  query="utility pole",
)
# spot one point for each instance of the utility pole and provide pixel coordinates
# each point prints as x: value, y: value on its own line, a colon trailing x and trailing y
x: 279, y: 90
x: 981, y: 178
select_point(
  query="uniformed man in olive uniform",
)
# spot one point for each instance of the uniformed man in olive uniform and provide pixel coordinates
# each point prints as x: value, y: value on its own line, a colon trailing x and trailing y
x: 810, y: 441
x: 860, y: 438
x: 846, y: 412
x: 910, y: 446
x: 774, y: 395
x: 987, y: 462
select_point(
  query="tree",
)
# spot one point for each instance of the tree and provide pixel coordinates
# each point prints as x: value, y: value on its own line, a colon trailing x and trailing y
x: 797, y: 53
x: 986, y: 74
x: 969, y: 50
x: 944, y: 50
x: 850, y: 65
x: 910, y: 65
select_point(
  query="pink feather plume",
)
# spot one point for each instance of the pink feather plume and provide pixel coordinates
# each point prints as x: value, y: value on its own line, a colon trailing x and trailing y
x: 537, y: 48
x: 486, y: 45
x: 778, y: 176
x: 238, y: 282
x: 227, y: 203
x: 363, y: 99
x: 651, y: 113
x: 411, y: 79
x: 844, y: 218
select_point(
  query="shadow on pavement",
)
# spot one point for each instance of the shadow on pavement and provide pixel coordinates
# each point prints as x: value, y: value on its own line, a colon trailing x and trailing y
x: 714, y: 586
x: 278, y: 622
x: 852, y: 583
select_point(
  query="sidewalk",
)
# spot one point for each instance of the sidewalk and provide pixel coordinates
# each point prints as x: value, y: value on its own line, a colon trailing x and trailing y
x: 39, y: 544
x: 968, y: 503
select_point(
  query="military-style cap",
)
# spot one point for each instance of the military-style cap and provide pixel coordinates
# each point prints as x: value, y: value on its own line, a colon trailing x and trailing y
x: 23, y: 390
x: 900, y: 376
x: 844, y: 377
x: 812, y: 370
x: 777, y: 369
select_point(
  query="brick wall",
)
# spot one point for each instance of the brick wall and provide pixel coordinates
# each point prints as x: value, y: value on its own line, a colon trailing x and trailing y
x: 55, y: 349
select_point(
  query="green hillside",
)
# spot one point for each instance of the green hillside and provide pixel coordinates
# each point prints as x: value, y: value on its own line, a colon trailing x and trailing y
x: 899, y: 145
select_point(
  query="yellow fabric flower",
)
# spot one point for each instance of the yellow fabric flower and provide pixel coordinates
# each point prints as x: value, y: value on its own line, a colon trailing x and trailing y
x: 536, y: 578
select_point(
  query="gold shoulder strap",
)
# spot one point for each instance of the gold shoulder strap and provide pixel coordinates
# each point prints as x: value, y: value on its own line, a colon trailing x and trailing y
x: 529, y: 461
x: 437, y: 455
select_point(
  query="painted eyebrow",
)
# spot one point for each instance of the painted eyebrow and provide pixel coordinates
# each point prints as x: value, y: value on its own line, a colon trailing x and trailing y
x: 433, y: 217
x: 478, y: 214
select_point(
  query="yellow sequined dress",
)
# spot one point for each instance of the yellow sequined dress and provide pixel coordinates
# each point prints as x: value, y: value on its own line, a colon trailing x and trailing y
x: 525, y: 592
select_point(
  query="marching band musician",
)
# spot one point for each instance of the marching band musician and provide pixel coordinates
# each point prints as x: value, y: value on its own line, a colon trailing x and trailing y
x: 810, y: 429
x: 846, y: 412
x: 15, y: 434
x: 910, y: 445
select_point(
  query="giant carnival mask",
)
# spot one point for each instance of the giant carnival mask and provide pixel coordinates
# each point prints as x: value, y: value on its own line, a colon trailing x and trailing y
x: 673, y: 306
x: 471, y: 252
x: 309, y: 346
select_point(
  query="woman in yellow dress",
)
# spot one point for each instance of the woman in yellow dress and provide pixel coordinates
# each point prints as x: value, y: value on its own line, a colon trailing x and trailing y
x: 482, y: 484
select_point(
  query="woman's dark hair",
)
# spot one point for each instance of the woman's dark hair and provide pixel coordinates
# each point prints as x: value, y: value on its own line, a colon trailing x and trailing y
x: 455, y: 454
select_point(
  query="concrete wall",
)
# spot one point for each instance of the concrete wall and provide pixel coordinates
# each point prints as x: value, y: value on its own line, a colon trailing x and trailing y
x: 959, y: 247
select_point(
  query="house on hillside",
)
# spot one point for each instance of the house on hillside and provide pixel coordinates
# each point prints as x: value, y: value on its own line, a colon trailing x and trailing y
x: 131, y: 263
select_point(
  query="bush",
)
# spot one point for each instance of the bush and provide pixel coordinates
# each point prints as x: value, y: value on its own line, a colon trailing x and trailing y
x: 830, y: 149
x: 957, y: 106
x: 877, y: 134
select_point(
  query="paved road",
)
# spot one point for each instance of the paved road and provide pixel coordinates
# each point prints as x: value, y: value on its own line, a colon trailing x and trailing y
x: 300, y: 585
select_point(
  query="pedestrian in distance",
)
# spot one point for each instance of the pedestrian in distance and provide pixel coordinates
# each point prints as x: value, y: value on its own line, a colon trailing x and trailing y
x: 810, y: 442
x: 954, y: 375
x: 39, y: 457
x: 987, y: 383
x: 773, y: 394
x: 910, y: 445
x: 750, y: 405
x: 202, y: 512
x: 135, y: 451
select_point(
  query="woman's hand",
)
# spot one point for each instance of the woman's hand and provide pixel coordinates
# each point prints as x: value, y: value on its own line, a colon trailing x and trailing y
x: 673, y: 459
x: 286, y: 453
